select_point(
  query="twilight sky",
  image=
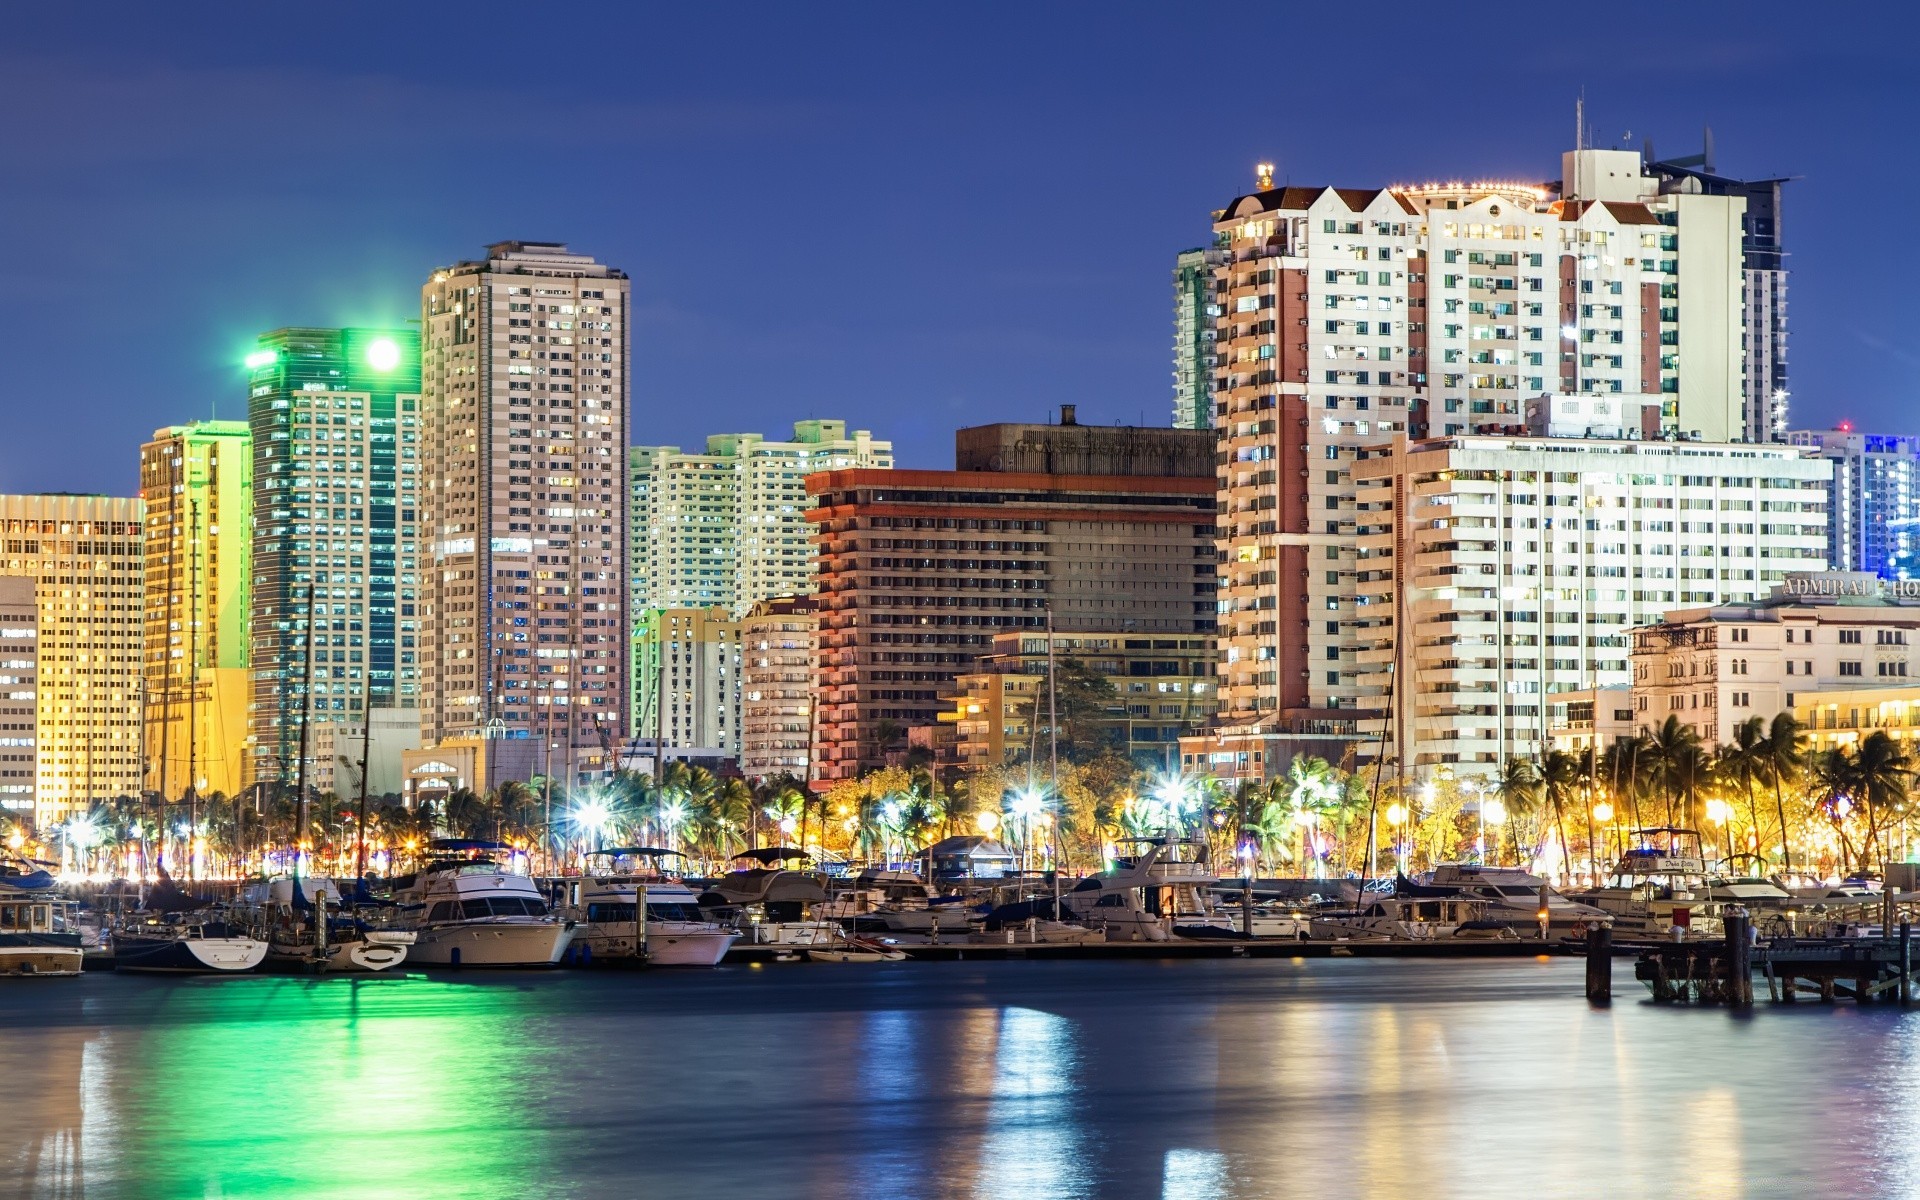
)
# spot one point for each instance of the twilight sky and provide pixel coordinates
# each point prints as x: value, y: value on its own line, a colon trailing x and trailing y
x: 908, y: 217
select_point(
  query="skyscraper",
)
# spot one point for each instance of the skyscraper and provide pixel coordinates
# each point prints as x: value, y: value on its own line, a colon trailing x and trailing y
x: 19, y: 668
x: 196, y: 481
x: 776, y: 687
x: 695, y: 654
x: 729, y: 526
x: 1873, y: 499
x: 337, y: 486
x: 84, y: 555
x: 524, y: 407
x: 1349, y: 317
x: 1193, y: 319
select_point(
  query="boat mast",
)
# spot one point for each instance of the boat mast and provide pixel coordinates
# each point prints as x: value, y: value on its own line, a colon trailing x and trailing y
x: 366, y: 756
x: 193, y: 687
x: 302, y: 815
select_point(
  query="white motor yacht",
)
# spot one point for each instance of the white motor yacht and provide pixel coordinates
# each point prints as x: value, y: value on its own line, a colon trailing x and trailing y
x: 1409, y: 919
x: 670, y: 931
x: 769, y: 905
x: 1162, y: 890
x: 1659, y: 885
x: 470, y: 912
x: 895, y: 902
x: 37, y: 935
x: 1513, y: 897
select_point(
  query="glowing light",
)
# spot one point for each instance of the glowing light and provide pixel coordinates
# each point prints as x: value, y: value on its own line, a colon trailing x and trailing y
x: 1492, y: 811
x: 15, y: 840
x: 1570, y: 332
x: 1603, y: 812
x: 81, y: 833
x: 261, y: 358
x: 1396, y: 815
x: 592, y: 815
x: 1026, y: 804
x: 986, y: 821
x: 383, y: 354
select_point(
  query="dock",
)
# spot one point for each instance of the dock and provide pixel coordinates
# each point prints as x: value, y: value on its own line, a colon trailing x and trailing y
x: 1186, y: 948
x: 1866, y: 970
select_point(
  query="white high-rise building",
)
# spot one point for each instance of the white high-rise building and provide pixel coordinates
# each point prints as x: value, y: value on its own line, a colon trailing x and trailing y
x: 1873, y: 503
x: 1493, y: 573
x: 1350, y: 317
x: 728, y: 527
x: 524, y: 424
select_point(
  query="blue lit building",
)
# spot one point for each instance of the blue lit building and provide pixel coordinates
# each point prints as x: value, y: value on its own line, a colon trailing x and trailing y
x: 1873, y: 503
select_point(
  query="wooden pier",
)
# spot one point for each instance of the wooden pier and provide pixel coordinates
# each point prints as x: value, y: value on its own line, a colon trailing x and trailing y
x: 1866, y: 970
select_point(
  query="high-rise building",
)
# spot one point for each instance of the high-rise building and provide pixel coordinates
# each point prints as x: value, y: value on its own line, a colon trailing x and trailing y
x: 1873, y: 499
x: 1763, y: 265
x: 338, y: 493
x: 1193, y: 320
x: 1495, y: 573
x: 778, y: 644
x: 196, y: 481
x: 84, y: 554
x: 1349, y: 317
x: 919, y: 569
x: 524, y: 413
x: 729, y: 526
x: 694, y: 655
x: 19, y: 668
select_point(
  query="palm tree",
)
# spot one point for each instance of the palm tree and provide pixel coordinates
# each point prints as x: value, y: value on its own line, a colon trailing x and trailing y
x: 1519, y: 790
x: 1559, y: 780
x: 1877, y: 774
x: 1674, y: 759
x: 1744, y: 759
x: 1784, y: 757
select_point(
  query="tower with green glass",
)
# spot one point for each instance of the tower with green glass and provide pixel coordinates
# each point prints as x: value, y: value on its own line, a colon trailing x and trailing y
x: 336, y: 508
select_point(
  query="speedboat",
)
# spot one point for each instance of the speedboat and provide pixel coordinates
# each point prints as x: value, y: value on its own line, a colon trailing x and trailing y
x: 37, y: 936
x: 185, y: 943
x: 469, y: 911
x: 670, y: 931
x: 1513, y: 897
x: 312, y: 930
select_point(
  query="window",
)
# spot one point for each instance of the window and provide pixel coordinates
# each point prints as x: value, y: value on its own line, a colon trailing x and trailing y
x: 1849, y: 637
x: 1850, y: 668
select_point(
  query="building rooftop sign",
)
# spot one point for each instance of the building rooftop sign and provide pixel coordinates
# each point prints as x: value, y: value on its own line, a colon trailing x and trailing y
x: 1848, y: 586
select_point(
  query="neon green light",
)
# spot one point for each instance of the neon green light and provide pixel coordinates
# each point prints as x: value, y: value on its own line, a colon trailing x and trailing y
x: 383, y: 354
x: 262, y: 358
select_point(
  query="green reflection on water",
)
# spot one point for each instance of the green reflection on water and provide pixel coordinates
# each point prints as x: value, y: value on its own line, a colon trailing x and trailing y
x: 328, y: 1088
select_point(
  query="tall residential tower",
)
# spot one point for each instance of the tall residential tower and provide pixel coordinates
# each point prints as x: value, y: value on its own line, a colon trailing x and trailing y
x: 524, y: 507
x: 1873, y: 499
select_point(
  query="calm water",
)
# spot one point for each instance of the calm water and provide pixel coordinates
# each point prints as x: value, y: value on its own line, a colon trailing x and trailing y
x: 1201, y: 1080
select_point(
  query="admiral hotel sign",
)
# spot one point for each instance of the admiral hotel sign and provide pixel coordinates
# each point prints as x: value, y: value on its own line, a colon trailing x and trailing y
x: 1850, y: 585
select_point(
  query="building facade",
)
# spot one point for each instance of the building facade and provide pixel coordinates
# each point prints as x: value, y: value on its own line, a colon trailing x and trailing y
x: 919, y: 569
x: 729, y: 527
x: 84, y: 555
x: 523, y: 395
x: 337, y: 504
x: 687, y: 677
x: 1163, y: 690
x: 1840, y: 718
x: 1193, y: 320
x: 196, y: 482
x: 19, y: 671
x: 1349, y: 317
x: 778, y: 644
x: 1873, y: 501
x: 1496, y: 573
x: 1714, y: 667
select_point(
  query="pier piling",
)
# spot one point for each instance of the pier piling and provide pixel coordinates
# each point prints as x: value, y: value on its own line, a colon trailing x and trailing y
x: 1906, y: 964
x: 1600, y: 963
x: 1739, y: 959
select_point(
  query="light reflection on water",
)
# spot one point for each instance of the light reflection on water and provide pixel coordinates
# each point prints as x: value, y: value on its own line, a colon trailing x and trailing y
x: 1187, y: 1081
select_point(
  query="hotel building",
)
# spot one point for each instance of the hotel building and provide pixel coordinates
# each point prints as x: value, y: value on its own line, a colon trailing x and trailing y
x: 337, y: 510
x: 1714, y: 667
x: 778, y: 643
x: 1351, y: 317
x: 524, y: 497
x: 1494, y: 573
x: 84, y: 555
x: 196, y: 481
x: 1873, y: 501
x: 687, y: 665
x: 1110, y: 528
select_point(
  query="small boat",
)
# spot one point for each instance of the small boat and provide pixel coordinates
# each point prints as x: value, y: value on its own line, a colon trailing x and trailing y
x: 468, y: 911
x: 1409, y: 919
x: 37, y: 935
x: 670, y: 932
x: 314, y: 930
x: 185, y: 944
x: 854, y: 950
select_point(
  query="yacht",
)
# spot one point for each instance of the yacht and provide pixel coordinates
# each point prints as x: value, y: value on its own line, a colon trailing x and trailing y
x: 1409, y: 919
x: 469, y: 911
x: 37, y: 936
x: 887, y: 901
x: 1659, y: 885
x: 1513, y: 897
x: 671, y: 931
x: 187, y: 943
x: 770, y: 906
x: 1161, y: 890
x: 315, y: 931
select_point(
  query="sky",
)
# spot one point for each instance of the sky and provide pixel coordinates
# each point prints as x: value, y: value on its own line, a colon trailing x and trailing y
x: 908, y: 216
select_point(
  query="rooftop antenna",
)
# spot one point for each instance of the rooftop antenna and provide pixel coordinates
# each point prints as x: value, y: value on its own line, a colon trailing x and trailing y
x: 1707, y: 138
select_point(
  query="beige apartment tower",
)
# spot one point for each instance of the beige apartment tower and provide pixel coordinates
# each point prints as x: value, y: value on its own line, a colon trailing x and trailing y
x: 778, y: 645
x: 524, y: 415
x: 83, y: 552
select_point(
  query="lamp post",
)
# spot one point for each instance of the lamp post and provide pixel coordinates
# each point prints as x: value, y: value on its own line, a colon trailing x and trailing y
x: 1396, y: 817
x: 1494, y: 813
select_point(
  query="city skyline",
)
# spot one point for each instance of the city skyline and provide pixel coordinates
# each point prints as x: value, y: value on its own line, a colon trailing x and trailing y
x: 924, y: 151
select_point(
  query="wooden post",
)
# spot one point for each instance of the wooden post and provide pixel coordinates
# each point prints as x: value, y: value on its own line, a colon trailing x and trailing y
x: 1906, y: 963
x: 1600, y: 963
x: 1739, y: 959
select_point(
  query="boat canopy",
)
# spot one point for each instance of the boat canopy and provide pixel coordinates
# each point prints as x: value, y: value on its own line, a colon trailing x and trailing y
x: 773, y: 854
x: 465, y: 845
x: 635, y: 852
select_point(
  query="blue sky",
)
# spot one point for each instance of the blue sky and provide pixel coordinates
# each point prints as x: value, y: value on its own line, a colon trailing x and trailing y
x: 911, y: 217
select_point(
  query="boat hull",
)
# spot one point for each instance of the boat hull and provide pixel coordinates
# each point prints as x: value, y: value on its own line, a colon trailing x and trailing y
x: 341, y: 957
x: 489, y: 944
x: 188, y: 956
x: 40, y: 954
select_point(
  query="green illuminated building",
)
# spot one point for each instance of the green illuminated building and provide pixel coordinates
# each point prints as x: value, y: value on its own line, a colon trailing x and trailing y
x: 336, y: 478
